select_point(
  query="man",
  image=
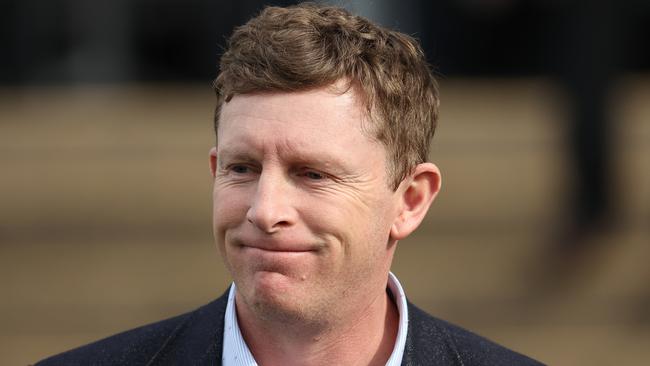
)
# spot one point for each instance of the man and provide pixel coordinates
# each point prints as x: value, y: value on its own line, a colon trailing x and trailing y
x: 323, y: 125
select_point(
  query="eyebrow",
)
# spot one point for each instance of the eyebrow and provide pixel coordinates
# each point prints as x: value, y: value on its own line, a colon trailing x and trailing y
x: 229, y: 154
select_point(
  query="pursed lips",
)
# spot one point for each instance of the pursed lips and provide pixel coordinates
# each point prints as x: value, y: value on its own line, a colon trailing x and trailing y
x: 278, y: 250
x: 274, y: 246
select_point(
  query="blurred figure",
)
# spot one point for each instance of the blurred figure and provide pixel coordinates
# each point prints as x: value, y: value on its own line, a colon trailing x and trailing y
x: 581, y: 46
x: 585, y: 49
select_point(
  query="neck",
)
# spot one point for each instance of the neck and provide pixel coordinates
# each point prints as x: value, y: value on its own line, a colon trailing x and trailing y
x: 366, y: 337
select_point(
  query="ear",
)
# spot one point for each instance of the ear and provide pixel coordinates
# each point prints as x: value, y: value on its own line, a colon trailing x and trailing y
x: 417, y: 192
x: 213, y: 161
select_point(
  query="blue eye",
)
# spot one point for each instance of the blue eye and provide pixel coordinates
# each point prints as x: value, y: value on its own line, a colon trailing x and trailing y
x: 239, y: 169
x: 314, y: 175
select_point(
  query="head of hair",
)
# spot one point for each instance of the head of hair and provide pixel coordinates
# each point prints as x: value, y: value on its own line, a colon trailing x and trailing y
x: 308, y: 46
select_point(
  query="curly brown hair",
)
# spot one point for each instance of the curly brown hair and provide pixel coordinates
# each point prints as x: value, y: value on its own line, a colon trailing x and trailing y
x: 309, y: 46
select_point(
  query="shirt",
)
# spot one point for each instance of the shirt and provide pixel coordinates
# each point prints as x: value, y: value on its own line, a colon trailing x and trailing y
x: 236, y: 351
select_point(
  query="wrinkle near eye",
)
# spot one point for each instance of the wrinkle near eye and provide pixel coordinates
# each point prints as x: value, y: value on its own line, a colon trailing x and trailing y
x: 349, y: 188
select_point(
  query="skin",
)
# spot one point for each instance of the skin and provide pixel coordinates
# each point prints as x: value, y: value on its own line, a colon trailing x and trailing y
x: 307, y: 224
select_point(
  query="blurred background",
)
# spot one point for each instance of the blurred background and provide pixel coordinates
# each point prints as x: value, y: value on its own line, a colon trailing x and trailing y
x: 539, y: 239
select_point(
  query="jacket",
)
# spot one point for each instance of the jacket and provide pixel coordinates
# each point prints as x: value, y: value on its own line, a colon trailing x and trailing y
x: 196, y: 338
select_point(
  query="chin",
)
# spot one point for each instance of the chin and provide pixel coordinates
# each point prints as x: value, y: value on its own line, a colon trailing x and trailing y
x: 278, y: 299
x: 279, y: 308
x: 273, y: 288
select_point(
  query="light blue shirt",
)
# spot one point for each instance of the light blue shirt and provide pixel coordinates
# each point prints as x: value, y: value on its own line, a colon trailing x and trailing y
x: 236, y: 353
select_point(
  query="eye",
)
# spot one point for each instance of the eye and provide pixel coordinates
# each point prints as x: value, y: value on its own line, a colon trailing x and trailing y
x: 240, y: 169
x: 313, y: 175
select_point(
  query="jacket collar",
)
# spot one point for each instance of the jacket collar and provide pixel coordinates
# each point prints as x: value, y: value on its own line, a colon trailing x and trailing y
x: 199, y: 339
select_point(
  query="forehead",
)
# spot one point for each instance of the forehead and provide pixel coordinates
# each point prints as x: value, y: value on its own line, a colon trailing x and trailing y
x: 329, y: 113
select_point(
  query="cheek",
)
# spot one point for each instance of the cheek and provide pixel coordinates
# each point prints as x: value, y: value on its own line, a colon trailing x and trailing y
x: 228, y: 209
x: 369, y: 226
x: 352, y: 223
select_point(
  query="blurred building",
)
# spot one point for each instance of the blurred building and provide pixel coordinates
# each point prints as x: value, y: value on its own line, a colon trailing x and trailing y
x: 71, y: 41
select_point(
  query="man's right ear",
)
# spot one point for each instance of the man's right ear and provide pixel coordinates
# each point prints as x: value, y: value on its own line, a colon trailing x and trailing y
x: 213, y: 161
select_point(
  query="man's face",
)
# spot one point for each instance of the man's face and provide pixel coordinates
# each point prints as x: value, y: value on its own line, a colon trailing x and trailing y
x: 302, y: 205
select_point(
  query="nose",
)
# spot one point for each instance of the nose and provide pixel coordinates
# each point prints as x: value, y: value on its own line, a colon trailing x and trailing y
x: 271, y: 208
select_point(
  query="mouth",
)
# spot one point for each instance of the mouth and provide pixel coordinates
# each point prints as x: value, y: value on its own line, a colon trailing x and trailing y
x: 276, y: 250
x: 285, y: 257
x: 274, y: 247
x: 289, y: 250
x: 275, y: 260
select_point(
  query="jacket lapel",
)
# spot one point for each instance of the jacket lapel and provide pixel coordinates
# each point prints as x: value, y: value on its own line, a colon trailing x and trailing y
x: 198, y: 340
x: 427, y: 342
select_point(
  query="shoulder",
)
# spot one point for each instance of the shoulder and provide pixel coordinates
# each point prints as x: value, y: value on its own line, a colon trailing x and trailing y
x: 433, y: 341
x: 197, y: 333
x: 133, y: 347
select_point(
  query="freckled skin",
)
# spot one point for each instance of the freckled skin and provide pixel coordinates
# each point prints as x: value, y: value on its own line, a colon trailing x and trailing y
x: 302, y: 206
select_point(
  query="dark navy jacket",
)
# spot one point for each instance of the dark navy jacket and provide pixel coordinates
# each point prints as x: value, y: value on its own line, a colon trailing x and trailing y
x: 195, y: 338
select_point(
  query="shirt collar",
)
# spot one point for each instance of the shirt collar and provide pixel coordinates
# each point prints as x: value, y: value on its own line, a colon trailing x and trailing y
x: 236, y: 353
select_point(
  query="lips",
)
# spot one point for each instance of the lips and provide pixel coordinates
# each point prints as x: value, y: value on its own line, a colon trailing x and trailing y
x: 279, y: 246
x: 278, y: 250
